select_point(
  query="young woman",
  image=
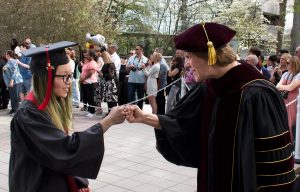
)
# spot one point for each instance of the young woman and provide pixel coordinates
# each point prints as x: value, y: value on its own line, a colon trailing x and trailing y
x: 110, y: 80
x: 152, y: 72
x: 45, y: 155
x: 89, y: 78
x: 280, y: 69
x: 290, y: 83
x: 174, y: 74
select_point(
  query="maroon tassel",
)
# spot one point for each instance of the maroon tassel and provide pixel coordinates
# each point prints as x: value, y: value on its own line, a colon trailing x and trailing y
x: 49, y: 84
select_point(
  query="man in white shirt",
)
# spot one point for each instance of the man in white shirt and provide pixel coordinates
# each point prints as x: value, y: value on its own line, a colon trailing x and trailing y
x: 112, y: 50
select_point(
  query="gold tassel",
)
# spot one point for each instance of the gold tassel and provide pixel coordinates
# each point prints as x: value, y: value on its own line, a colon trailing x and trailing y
x: 212, y: 56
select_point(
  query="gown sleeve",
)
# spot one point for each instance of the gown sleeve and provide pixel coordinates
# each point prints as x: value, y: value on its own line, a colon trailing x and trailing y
x: 265, y: 160
x: 79, y: 154
x: 178, y: 140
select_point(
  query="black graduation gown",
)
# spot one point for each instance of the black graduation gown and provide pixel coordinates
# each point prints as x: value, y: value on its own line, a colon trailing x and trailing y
x: 235, y: 131
x: 42, y: 155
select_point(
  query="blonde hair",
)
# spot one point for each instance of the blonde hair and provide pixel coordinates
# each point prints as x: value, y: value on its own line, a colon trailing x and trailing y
x: 156, y: 57
x: 106, y: 57
x: 58, y: 109
x: 225, y: 56
x: 295, y: 64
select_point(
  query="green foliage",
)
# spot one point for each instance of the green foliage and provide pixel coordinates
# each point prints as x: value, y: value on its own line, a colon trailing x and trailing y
x: 51, y: 21
x: 252, y: 27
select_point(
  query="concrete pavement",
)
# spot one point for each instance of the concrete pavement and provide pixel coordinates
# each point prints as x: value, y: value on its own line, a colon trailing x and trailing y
x: 131, y: 162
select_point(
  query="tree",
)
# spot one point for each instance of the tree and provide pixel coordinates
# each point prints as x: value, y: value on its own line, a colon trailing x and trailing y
x: 295, y: 34
x: 281, y: 23
x: 247, y: 19
x: 55, y: 20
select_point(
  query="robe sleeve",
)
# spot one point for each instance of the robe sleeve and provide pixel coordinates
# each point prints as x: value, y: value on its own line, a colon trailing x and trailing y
x: 79, y: 154
x: 178, y: 140
x: 265, y: 161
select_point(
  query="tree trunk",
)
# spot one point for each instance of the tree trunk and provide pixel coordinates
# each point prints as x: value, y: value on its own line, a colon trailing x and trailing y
x: 183, y: 16
x: 281, y: 23
x: 295, y: 34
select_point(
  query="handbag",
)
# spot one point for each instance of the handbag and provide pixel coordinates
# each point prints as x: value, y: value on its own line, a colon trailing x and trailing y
x: 284, y: 94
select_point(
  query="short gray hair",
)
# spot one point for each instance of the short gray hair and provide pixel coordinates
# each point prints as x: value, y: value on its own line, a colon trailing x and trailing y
x: 253, y: 58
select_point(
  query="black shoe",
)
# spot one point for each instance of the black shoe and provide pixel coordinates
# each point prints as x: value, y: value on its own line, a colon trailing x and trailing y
x: 5, y: 107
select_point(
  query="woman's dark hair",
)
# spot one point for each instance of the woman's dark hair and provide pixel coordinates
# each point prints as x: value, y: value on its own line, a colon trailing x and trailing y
x: 38, y: 64
x: 179, y: 62
x: 92, y: 53
x: 273, y: 58
x: 11, y: 54
x: 255, y: 50
x: 102, y: 49
x: 13, y: 44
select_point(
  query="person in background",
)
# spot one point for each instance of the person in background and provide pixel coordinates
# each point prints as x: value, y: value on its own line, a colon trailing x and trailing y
x: 233, y: 115
x: 14, y: 46
x: 271, y: 63
x: 88, y: 78
x: 152, y: 73
x: 112, y: 50
x: 162, y: 82
x: 123, y: 78
x: 290, y: 83
x: 13, y: 80
x: 259, y: 65
x: 46, y: 154
x: 280, y: 53
x: 110, y: 82
x: 175, y: 74
x: 24, y: 65
x: 4, y: 95
x: 189, y: 78
x: 29, y: 43
x: 297, y: 52
x: 75, y: 81
x: 280, y: 69
x: 131, y: 53
x: 136, y: 79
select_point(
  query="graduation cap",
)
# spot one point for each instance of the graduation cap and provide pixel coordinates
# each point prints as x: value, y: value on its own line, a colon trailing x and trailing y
x: 45, y: 59
x: 204, y: 37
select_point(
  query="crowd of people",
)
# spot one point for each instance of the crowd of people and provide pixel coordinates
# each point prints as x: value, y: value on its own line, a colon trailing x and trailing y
x: 239, y: 110
x: 101, y: 75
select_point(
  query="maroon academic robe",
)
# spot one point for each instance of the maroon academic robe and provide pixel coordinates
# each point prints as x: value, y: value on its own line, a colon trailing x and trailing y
x: 234, y: 130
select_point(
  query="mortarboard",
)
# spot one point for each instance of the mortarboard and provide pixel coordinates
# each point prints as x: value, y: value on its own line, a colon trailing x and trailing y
x: 204, y: 37
x: 44, y: 60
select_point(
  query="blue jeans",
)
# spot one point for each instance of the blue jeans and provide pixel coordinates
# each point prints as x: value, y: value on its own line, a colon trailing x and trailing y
x: 139, y: 89
x: 26, y: 86
x: 75, y: 92
x: 14, y: 96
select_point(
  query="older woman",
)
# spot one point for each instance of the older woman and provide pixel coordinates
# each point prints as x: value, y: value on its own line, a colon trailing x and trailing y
x: 290, y: 84
x: 235, y: 117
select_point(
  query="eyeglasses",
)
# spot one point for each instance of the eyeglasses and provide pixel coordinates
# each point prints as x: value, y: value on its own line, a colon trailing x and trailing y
x: 131, y: 53
x: 66, y: 78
